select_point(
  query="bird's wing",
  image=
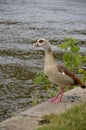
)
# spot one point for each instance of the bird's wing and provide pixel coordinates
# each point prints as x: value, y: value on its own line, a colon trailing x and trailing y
x: 64, y: 70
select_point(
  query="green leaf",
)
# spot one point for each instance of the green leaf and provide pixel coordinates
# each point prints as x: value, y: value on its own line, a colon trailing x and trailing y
x: 80, y: 70
x: 84, y: 75
x: 84, y: 59
x: 75, y: 48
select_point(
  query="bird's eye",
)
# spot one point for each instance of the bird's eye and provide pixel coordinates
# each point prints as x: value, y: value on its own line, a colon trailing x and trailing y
x: 41, y: 41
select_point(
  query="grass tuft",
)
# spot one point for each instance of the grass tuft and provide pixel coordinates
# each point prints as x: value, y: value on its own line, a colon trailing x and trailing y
x: 73, y: 119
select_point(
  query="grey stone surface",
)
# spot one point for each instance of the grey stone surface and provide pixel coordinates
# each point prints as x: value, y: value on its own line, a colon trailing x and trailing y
x: 28, y: 120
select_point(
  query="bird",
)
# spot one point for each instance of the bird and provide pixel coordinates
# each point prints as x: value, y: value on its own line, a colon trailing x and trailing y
x: 57, y: 74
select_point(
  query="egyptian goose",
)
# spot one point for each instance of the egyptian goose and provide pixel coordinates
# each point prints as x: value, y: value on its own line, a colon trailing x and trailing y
x: 56, y: 73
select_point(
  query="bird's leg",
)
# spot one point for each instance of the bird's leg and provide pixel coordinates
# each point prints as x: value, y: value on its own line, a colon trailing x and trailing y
x: 58, y: 97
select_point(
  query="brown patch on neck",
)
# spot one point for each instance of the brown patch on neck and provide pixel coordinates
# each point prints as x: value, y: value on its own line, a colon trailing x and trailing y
x: 49, y: 49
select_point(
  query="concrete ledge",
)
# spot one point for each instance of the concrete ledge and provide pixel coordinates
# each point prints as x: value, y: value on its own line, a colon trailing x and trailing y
x: 28, y: 120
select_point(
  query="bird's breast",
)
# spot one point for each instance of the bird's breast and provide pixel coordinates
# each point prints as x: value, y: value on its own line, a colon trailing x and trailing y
x: 49, y: 70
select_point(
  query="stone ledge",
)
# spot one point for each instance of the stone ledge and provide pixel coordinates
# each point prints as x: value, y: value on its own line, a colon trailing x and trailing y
x: 28, y: 120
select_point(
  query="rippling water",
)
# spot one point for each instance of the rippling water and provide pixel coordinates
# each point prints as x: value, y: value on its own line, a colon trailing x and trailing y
x: 21, y: 23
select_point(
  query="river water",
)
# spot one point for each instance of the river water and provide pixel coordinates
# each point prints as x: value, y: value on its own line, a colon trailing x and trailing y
x: 21, y: 23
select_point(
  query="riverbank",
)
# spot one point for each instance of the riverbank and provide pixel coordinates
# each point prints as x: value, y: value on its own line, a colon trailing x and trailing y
x: 30, y: 118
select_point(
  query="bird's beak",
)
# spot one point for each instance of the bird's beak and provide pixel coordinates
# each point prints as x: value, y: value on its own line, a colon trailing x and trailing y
x: 36, y: 45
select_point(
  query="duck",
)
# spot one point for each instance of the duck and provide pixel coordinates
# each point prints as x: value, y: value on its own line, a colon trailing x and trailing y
x: 57, y: 74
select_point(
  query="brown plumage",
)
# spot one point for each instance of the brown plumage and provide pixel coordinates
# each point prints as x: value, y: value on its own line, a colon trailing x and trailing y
x: 56, y: 73
x: 62, y: 69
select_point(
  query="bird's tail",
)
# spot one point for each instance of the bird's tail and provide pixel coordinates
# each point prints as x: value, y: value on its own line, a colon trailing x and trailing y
x: 83, y: 86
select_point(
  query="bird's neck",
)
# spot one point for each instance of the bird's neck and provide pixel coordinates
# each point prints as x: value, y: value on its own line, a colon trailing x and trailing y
x: 49, y: 58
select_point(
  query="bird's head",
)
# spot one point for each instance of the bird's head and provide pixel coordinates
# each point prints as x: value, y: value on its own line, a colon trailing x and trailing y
x: 42, y: 43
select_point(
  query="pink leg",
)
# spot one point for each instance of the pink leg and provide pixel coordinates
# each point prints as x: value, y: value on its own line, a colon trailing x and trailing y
x: 58, y: 97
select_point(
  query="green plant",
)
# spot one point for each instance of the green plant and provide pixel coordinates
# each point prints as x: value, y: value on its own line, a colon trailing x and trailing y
x: 72, y: 58
x: 42, y: 79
